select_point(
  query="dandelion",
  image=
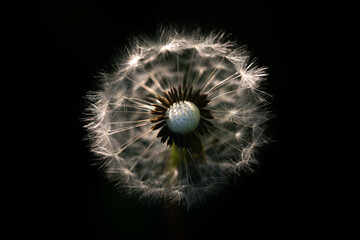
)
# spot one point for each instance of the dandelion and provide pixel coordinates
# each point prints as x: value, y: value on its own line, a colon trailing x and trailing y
x: 178, y: 117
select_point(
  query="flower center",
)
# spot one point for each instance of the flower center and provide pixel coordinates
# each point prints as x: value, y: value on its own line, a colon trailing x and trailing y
x: 182, y: 117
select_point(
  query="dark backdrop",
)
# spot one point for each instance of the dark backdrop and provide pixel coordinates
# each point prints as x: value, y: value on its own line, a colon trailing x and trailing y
x: 56, y: 50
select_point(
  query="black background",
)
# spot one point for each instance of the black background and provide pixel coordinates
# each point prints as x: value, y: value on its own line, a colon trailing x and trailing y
x: 57, y: 49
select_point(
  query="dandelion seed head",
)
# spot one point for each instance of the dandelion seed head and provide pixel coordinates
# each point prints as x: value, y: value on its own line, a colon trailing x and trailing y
x: 183, y: 114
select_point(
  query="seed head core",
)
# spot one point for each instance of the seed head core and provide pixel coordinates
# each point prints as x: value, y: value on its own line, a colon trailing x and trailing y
x: 182, y: 117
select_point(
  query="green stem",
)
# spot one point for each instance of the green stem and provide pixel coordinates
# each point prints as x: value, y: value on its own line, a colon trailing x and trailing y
x: 192, y: 155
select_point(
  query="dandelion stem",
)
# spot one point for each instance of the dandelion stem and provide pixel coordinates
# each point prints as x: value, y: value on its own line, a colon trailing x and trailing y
x: 193, y: 155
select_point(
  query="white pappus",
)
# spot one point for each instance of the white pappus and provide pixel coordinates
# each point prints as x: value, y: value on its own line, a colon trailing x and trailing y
x: 178, y: 117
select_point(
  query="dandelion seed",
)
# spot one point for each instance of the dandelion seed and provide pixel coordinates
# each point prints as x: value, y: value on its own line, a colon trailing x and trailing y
x: 175, y: 121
